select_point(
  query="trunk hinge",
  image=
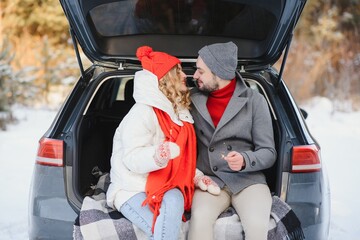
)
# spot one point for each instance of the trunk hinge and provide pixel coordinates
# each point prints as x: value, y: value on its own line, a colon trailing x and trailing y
x: 75, y: 43
x: 121, y: 66
x: 242, y: 68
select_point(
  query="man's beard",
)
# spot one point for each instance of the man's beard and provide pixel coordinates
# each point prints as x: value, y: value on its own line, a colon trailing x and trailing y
x: 208, y: 88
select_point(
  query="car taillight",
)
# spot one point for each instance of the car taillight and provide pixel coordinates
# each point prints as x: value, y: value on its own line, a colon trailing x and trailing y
x: 50, y: 152
x: 306, y: 159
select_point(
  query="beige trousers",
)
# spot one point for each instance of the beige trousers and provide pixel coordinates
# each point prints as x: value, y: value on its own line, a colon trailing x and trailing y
x: 253, y: 205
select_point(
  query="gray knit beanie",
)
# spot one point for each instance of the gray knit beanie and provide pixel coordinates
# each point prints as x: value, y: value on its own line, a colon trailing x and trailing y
x: 221, y: 59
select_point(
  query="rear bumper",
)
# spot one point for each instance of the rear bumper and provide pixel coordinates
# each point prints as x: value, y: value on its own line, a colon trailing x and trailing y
x: 50, y: 215
x: 309, y: 196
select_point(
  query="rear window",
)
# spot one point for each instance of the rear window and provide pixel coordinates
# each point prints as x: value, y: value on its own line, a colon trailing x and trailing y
x: 185, y: 17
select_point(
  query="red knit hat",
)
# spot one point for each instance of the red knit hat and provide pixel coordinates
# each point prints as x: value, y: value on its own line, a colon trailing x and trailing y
x: 159, y: 63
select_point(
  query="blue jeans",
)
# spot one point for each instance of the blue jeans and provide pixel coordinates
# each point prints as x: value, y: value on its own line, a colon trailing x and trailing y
x: 168, y: 223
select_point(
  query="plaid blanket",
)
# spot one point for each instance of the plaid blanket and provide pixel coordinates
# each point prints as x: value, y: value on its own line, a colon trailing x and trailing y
x: 97, y: 221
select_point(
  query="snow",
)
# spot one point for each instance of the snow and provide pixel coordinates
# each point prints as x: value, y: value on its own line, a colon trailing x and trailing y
x: 337, y: 132
x: 18, y: 146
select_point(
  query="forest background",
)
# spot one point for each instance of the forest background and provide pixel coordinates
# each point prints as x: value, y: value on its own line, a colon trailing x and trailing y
x: 38, y: 64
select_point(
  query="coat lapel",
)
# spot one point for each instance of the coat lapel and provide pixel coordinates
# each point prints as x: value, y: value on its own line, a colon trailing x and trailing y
x: 199, y: 100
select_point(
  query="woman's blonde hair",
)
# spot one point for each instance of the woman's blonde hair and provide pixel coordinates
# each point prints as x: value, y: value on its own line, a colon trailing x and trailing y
x: 170, y: 86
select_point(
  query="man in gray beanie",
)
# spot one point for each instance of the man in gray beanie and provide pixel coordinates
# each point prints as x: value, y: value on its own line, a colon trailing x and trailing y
x: 235, y: 143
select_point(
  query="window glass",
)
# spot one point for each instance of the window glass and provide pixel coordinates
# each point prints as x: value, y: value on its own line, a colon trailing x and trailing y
x: 185, y: 17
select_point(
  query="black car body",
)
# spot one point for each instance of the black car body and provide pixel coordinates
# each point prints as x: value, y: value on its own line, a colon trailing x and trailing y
x: 109, y: 32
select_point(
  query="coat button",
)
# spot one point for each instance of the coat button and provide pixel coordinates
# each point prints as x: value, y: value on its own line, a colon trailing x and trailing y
x: 215, y: 168
x: 229, y: 147
x: 211, y: 149
x: 253, y: 163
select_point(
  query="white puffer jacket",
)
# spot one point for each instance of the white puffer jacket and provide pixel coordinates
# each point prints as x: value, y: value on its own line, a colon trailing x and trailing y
x: 137, y: 138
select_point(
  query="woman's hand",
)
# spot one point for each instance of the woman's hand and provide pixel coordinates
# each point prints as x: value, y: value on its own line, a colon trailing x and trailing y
x: 205, y: 183
x: 165, y: 152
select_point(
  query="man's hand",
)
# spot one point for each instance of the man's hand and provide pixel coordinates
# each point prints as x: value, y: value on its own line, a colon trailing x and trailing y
x: 235, y: 161
x: 205, y: 183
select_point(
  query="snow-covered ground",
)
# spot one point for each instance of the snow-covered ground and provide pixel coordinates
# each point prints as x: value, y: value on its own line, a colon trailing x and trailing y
x: 339, y: 136
x: 337, y: 132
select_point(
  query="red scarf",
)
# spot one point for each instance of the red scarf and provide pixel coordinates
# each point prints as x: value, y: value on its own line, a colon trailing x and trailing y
x: 180, y: 172
x: 218, y: 101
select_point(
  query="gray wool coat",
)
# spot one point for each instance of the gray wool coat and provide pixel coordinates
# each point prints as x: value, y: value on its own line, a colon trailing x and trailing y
x: 245, y: 127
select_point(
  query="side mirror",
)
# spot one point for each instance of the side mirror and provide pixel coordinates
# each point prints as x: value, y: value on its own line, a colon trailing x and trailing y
x: 304, y: 113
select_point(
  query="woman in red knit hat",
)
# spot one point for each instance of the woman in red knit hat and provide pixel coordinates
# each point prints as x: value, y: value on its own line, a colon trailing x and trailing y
x: 154, y: 151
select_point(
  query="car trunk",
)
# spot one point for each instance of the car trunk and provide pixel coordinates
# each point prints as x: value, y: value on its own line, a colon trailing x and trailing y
x: 111, y: 100
x: 110, y: 31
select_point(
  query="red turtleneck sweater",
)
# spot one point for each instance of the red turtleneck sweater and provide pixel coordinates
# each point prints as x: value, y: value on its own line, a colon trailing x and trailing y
x: 218, y: 100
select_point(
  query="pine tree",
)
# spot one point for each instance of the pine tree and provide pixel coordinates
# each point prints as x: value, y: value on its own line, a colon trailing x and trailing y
x: 6, y: 76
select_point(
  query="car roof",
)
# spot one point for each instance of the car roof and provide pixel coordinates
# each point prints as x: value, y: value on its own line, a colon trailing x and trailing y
x: 109, y: 31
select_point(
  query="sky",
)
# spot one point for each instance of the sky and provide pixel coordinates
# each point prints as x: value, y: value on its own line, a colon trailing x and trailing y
x: 337, y: 132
